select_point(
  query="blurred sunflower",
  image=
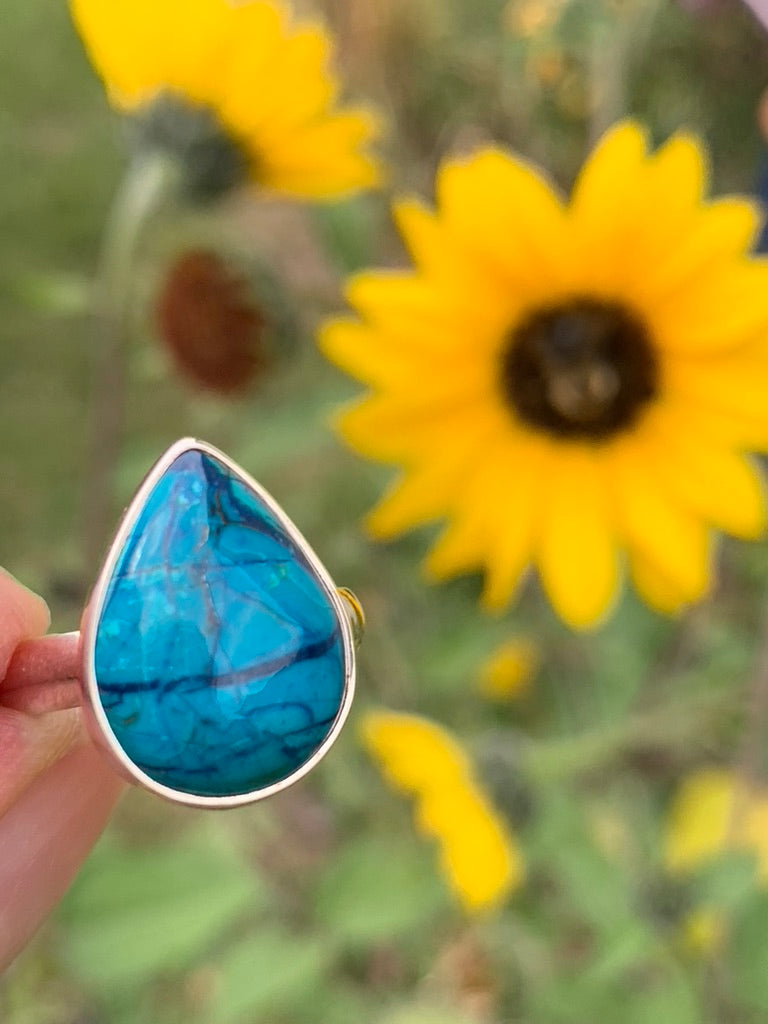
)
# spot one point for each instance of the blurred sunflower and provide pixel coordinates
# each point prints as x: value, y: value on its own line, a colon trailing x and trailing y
x: 479, y: 857
x: 568, y: 383
x: 234, y: 89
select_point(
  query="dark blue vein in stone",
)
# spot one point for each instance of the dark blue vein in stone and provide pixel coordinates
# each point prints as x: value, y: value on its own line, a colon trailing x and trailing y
x: 218, y: 657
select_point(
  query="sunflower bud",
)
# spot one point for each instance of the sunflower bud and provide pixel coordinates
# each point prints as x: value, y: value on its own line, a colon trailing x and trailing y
x: 204, y: 317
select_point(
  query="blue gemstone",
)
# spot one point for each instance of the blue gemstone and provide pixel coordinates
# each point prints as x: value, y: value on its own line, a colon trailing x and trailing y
x: 219, y: 657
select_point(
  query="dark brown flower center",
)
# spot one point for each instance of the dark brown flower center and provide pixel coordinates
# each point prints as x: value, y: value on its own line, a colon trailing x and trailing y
x: 581, y: 369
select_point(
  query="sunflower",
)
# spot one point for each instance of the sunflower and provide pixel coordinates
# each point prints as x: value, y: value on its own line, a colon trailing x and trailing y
x: 574, y: 386
x: 235, y: 89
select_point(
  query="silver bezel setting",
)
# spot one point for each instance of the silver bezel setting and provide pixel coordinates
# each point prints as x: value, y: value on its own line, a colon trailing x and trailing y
x: 96, y: 719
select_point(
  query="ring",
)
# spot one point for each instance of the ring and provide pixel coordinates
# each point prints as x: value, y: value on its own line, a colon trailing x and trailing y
x: 216, y: 659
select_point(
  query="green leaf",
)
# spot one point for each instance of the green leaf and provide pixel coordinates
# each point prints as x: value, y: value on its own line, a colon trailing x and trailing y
x: 670, y: 1002
x: 133, y: 913
x: 726, y: 882
x: 748, y: 954
x: 378, y: 889
x: 267, y: 973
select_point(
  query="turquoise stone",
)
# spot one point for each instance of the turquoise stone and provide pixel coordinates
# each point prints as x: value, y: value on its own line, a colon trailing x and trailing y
x: 218, y: 655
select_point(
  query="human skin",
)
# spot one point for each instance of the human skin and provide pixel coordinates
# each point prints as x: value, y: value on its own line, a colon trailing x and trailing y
x: 56, y: 793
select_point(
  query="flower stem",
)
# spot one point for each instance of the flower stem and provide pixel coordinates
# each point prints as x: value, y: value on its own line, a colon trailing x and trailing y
x: 138, y: 196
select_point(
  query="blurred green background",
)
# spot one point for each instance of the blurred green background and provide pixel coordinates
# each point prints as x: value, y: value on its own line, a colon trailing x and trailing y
x: 324, y: 905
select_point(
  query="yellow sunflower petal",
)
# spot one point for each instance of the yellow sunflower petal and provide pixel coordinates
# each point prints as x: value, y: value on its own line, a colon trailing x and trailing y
x: 654, y: 587
x: 436, y: 253
x: 407, y: 430
x: 415, y: 754
x: 577, y: 555
x: 323, y: 158
x: 287, y: 70
x: 727, y: 308
x: 656, y: 525
x: 733, y: 383
x: 427, y: 490
x: 515, y: 472
x: 129, y: 41
x: 460, y: 548
x: 724, y: 488
x: 608, y: 176
x: 724, y: 230
x: 392, y: 362
x: 490, y: 198
x: 648, y: 204
x: 410, y: 307
x: 478, y: 855
x: 679, y: 167
x: 482, y: 860
x: 200, y: 42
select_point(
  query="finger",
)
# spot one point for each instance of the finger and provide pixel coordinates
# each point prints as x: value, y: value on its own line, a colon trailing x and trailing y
x: 28, y: 745
x: 43, y: 674
x: 22, y: 615
x: 45, y: 838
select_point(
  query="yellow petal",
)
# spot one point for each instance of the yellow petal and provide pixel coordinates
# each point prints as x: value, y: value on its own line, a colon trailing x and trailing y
x: 414, y: 753
x: 287, y: 70
x: 481, y: 859
x: 478, y: 855
x: 610, y: 173
x: 726, y: 489
x: 577, y: 554
x: 733, y: 384
x: 429, y: 490
x: 654, y: 588
x: 460, y: 548
x: 318, y: 146
x: 655, y: 524
x: 723, y: 231
x: 392, y: 362
x: 409, y: 306
x: 410, y: 429
x: 727, y: 308
x: 129, y: 42
x: 438, y: 256
x: 699, y: 820
x: 509, y: 671
x: 501, y: 209
x: 513, y: 491
x: 649, y: 205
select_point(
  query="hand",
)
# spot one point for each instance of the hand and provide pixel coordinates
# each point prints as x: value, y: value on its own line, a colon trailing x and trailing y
x: 56, y: 793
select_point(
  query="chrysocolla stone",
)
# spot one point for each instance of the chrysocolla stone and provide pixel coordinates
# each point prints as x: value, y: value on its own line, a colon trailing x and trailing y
x: 219, y: 657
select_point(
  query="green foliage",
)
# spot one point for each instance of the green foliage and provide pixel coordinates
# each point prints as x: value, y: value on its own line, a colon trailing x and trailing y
x: 378, y: 889
x: 267, y: 973
x: 748, y: 953
x: 134, y: 913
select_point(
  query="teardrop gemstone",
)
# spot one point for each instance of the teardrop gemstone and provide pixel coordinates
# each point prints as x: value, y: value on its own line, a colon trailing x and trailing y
x: 220, y: 657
